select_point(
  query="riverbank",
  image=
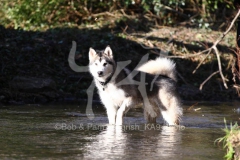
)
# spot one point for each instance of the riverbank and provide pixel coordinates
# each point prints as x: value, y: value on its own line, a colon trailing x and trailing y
x: 35, y: 69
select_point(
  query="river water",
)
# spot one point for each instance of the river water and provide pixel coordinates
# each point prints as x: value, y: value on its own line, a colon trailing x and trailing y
x: 65, y: 132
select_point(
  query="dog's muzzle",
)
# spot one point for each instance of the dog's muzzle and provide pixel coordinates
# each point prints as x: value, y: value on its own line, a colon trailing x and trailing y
x: 100, y: 73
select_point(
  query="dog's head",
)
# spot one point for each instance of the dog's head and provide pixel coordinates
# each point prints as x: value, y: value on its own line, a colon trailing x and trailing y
x: 101, y: 63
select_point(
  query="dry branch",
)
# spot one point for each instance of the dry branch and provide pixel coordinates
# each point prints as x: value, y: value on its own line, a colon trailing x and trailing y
x: 220, y: 66
x: 213, y: 48
x: 201, y: 62
x: 201, y: 86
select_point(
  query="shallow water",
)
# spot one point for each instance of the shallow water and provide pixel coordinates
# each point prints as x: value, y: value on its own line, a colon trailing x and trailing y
x: 65, y: 132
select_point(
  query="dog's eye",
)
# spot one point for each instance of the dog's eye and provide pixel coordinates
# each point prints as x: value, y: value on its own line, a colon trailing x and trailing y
x: 104, y: 64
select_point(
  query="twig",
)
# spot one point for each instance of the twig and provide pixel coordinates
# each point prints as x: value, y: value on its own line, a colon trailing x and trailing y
x: 201, y: 86
x: 177, y: 12
x: 179, y: 75
x: 229, y: 28
x: 125, y: 29
x: 237, y: 87
x: 220, y: 66
x: 124, y: 14
x: 201, y: 62
x: 103, y: 14
x: 191, y: 55
x: 192, y: 106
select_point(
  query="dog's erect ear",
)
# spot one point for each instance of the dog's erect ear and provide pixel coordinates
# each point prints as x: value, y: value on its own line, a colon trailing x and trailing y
x: 92, y: 53
x: 108, y: 52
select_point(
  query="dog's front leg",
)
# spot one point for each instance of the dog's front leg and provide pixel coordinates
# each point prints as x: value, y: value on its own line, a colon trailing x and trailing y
x: 111, y: 113
x: 123, y: 109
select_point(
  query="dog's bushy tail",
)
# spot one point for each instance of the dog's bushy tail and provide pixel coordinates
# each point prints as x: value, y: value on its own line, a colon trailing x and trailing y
x: 160, y: 66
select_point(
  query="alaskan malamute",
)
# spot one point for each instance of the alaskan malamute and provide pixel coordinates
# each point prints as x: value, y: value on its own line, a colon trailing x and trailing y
x: 153, y: 84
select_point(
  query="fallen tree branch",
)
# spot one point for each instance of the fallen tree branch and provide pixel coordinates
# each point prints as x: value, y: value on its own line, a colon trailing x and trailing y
x: 214, y: 48
x: 209, y: 50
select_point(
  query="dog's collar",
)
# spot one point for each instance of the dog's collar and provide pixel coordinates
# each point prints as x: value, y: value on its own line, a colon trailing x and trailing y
x: 106, y: 82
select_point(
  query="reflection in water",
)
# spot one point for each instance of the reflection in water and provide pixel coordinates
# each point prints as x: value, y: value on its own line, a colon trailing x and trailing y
x: 110, y: 142
x: 31, y: 133
x: 117, y: 142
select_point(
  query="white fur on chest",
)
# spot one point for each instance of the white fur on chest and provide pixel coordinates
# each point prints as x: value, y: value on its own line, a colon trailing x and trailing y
x: 111, y: 95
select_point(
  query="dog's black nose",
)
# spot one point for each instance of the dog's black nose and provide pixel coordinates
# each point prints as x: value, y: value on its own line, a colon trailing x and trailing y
x: 100, y: 73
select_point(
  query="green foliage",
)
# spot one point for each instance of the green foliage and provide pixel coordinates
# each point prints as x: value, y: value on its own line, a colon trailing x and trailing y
x: 160, y: 5
x: 32, y: 14
x: 29, y: 14
x: 161, y: 8
x: 226, y: 140
x: 213, y: 5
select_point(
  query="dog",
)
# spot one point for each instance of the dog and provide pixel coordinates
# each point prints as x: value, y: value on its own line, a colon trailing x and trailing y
x: 152, y: 84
